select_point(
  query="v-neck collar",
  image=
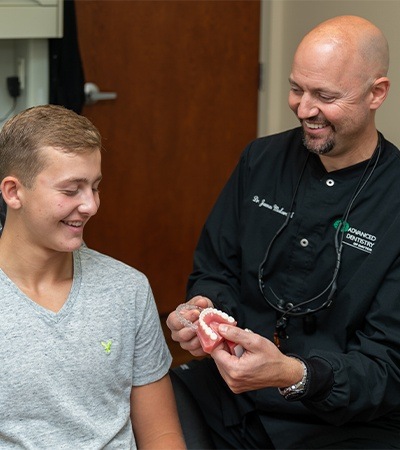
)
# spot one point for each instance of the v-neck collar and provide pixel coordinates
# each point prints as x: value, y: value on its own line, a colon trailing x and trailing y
x: 47, y: 314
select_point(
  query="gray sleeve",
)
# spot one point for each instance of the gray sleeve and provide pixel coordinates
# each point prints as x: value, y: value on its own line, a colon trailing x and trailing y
x: 152, y: 358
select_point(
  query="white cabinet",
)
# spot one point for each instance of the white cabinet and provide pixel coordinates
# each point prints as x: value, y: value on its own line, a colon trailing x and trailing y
x: 25, y: 19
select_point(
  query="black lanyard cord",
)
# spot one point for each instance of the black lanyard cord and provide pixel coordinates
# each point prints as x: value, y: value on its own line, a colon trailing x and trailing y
x: 290, y: 309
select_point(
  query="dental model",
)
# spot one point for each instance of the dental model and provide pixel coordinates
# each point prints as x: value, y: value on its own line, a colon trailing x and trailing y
x: 206, y: 327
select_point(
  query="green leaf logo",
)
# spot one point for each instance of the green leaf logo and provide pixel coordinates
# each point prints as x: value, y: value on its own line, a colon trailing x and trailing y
x: 345, y: 225
x: 107, y: 346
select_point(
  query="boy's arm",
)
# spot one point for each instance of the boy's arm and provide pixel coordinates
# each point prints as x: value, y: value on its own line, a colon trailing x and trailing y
x: 154, y: 416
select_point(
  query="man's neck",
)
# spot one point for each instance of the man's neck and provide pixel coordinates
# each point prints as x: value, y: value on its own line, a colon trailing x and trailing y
x: 363, y: 151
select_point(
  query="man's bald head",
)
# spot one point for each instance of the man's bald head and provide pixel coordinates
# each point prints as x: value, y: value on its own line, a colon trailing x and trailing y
x: 354, y: 39
x: 338, y: 81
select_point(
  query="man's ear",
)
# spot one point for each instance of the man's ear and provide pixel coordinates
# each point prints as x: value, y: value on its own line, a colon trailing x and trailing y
x: 11, y: 191
x: 379, y: 91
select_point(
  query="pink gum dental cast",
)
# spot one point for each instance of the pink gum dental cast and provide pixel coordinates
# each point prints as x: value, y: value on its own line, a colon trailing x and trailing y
x: 207, y: 328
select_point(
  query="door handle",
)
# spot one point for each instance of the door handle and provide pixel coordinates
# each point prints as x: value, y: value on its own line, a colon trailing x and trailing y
x: 93, y: 94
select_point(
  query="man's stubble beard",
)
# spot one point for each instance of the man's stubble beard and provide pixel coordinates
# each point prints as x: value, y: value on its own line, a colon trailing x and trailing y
x: 321, y: 149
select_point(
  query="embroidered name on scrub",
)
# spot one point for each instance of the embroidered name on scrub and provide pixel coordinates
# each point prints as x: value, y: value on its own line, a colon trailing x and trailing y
x: 274, y: 208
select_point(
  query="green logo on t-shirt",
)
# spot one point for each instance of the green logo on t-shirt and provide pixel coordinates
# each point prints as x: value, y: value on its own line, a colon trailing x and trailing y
x: 107, y: 346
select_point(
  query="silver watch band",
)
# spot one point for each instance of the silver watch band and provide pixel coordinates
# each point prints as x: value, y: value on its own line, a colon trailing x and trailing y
x: 295, y: 390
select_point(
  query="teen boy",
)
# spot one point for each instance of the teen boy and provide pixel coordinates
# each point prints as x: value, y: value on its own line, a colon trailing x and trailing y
x: 84, y: 361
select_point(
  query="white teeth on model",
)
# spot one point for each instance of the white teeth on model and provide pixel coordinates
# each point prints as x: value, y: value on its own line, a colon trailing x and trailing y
x: 217, y: 312
x: 211, y: 334
x: 209, y: 331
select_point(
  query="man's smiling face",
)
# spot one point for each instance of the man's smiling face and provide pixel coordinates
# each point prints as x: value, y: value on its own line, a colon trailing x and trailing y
x: 329, y: 96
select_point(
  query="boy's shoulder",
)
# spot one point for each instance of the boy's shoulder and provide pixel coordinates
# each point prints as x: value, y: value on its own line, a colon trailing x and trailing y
x: 108, y: 267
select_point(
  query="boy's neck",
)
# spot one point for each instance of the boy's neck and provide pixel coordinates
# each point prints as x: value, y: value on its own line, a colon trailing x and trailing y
x: 45, y: 277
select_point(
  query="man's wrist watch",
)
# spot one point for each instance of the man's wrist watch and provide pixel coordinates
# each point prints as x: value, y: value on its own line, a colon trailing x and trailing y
x: 295, y: 390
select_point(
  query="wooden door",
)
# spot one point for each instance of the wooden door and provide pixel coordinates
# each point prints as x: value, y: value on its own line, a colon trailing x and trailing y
x: 186, y: 75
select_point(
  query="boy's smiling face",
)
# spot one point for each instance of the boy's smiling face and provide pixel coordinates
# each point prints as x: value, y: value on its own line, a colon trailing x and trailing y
x: 63, y: 198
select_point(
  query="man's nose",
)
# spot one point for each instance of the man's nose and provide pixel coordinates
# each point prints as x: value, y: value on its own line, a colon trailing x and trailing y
x: 307, y: 107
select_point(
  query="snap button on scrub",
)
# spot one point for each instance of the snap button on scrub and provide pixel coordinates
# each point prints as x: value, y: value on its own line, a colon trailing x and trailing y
x: 330, y: 182
x: 304, y: 242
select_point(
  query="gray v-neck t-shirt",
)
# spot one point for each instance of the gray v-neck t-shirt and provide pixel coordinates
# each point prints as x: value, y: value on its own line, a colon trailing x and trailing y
x: 66, y: 377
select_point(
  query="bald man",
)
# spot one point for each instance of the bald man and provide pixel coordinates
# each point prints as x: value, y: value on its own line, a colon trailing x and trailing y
x: 303, y: 248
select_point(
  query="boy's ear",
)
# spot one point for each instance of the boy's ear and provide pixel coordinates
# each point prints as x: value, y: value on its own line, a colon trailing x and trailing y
x: 10, y: 191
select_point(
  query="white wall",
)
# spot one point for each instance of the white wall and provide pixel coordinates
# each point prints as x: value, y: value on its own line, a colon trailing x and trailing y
x: 34, y: 79
x: 25, y: 26
x: 285, y: 22
x: 6, y: 70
